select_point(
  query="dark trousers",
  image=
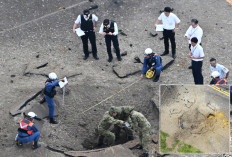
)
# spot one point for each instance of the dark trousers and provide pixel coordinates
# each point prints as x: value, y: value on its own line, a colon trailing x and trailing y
x: 169, y: 34
x: 92, y: 38
x: 197, y: 72
x: 114, y: 39
x: 190, y: 48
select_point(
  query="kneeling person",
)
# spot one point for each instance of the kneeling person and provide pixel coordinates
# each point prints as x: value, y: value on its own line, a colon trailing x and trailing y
x: 122, y: 113
x: 152, y: 61
x: 28, y: 132
x: 216, y: 79
x: 109, y: 30
x: 104, y: 128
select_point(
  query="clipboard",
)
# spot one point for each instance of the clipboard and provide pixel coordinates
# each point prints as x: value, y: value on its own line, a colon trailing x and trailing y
x: 62, y: 84
x: 79, y: 32
x: 159, y: 28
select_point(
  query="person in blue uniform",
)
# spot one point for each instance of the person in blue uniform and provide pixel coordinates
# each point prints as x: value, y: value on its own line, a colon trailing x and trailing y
x: 109, y: 29
x: 27, y: 131
x: 152, y: 61
x: 50, y: 92
x: 88, y: 24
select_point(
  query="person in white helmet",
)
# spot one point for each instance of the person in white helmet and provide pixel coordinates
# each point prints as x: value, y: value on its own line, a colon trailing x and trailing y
x: 152, y: 61
x: 216, y: 79
x: 50, y: 92
x: 28, y: 132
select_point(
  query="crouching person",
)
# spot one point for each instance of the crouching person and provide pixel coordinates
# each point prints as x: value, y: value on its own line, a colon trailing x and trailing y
x: 104, y: 128
x: 122, y: 113
x: 216, y: 79
x: 27, y: 131
x: 152, y: 61
x: 140, y: 123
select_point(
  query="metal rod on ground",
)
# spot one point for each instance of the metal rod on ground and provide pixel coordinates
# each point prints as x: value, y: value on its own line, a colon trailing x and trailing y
x: 63, y: 95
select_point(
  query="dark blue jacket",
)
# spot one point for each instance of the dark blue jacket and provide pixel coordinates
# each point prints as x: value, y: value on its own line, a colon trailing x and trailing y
x: 156, y: 62
x: 49, y: 89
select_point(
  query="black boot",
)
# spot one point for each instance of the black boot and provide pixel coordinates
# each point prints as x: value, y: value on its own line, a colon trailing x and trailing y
x: 156, y: 79
x: 130, y: 138
x: 18, y: 143
x: 100, y: 141
x: 138, y: 146
x: 144, y: 155
x: 52, y: 121
x: 36, y: 145
x: 110, y: 59
x: 42, y: 101
x: 85, y: 57
x: 117, y: 137
x: 119, y: 58
x: 95, y: 57
x: 164, y: 53
x: 174, y: 56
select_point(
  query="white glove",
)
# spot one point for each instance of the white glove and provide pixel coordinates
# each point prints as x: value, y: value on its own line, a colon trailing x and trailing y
x: 127, y: 124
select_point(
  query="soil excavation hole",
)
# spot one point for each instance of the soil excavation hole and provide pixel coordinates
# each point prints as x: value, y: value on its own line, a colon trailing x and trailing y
x: 210, y: 116
x: 92, y: 141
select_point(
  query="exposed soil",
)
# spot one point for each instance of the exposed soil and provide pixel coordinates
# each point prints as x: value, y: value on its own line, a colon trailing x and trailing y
x: 197, y: 116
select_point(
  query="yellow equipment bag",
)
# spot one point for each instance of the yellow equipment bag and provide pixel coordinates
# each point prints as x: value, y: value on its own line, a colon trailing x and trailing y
x: 150, y: 73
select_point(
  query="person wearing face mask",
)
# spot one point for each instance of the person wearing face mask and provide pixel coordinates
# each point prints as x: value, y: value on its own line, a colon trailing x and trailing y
x: 88, y: 23
x: 109, y: 30
x: 171, y: 24
x: 194, y: 31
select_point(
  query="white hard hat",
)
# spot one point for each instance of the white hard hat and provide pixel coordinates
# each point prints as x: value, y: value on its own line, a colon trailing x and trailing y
x: 215, y: 74
x: 53, y: 76
x: 31, y: 114
x: 148, y: 51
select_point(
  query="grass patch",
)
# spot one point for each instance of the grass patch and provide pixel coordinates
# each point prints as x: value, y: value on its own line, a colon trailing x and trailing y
x: 185, y: 148
x: 188, y: 149
x: 163, y: 143
x: 163, y: 137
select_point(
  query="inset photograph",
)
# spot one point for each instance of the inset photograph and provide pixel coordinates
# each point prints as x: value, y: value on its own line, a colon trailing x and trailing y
x: 194, y: 119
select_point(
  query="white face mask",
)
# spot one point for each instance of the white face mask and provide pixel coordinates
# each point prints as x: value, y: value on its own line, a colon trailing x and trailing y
x: 86, y: 15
